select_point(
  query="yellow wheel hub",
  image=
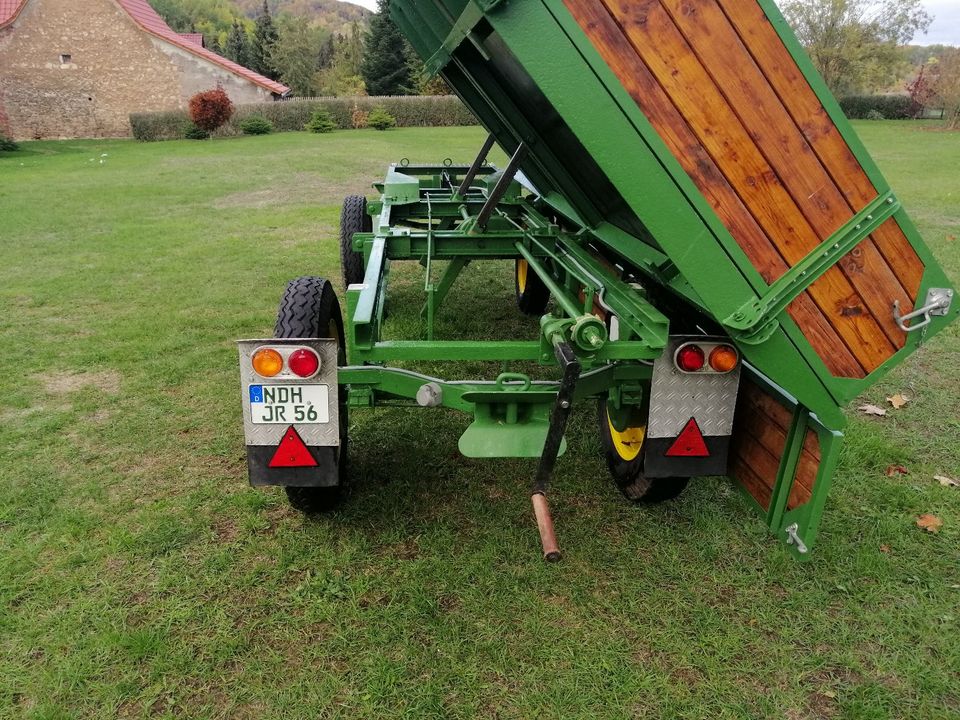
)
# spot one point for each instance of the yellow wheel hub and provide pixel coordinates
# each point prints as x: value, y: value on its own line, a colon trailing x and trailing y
x: 628, y: 442
x: 522, y: 269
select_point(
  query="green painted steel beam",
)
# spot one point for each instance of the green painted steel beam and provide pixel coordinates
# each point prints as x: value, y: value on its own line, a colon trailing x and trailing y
x: 450, y: 350
x: 400, y: 189
x: 366, y: 303
x: 756, y: 320
x: 461, y: 31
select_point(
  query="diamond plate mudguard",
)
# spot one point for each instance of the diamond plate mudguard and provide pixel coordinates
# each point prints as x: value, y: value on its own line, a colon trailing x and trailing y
x: 676, y: 396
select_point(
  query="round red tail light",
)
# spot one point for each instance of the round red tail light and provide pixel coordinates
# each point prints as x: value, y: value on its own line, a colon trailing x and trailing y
x: 690, y: 358
x: 303, y: 363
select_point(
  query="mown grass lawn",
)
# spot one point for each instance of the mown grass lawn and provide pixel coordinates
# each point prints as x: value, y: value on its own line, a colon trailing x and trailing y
x: 141, y: 577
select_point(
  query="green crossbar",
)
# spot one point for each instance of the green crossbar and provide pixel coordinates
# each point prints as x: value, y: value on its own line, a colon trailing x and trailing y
x: 756, y: 320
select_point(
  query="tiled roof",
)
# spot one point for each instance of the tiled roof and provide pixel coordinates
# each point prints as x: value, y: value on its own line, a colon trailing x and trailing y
x: 9, y: 9
x: 147, y: 18
x: 195, y: 38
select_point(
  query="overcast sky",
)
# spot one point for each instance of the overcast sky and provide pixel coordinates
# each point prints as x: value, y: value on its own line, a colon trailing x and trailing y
x: 945, y: 28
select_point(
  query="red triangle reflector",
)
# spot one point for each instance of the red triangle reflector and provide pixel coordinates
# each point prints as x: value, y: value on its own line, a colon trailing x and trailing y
x: 292, y: 452
x: 689, y: 442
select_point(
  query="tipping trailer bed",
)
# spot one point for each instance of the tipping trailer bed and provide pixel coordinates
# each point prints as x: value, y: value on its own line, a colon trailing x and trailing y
x: 712, y: 255
x: 695, y: 140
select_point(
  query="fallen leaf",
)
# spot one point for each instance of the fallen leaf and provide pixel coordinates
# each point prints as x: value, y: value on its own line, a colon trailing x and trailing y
x: 930, y: 523
x: 884, y: 548
x: 872, y: 410
x: 946, y: 481
x: 898, y: 400
x: 897, y: 470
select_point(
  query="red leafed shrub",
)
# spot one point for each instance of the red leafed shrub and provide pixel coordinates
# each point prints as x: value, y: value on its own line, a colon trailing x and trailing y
x: 211, y: 109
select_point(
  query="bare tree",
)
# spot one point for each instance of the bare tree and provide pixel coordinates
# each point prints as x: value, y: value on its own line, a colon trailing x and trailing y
x: 855, y: 44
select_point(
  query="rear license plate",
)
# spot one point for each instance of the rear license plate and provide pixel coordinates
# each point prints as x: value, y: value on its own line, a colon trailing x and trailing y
x: 289, y: 404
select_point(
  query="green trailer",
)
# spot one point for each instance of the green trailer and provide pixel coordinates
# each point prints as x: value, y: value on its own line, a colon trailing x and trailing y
x: 715, y: 260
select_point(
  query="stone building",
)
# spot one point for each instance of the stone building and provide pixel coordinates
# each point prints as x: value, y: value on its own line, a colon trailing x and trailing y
x: 78, y: 68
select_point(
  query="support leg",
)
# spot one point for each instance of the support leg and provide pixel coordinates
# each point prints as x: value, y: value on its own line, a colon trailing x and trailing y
x: 551, y: 448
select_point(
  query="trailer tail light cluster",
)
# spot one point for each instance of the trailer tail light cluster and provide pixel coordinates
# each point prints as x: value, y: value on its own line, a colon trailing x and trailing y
x: 289, y: 362
x: 697, y: 357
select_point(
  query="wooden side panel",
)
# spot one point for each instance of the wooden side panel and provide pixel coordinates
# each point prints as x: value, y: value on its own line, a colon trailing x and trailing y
x: 776, y: 171
x: 758, y: 444
x: 773, y: 58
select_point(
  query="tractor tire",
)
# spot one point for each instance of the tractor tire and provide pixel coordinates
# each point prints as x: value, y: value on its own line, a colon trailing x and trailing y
x: 623, y: 451
x: 309, y: 309
x: 353, y: 219
x: 532, y: 294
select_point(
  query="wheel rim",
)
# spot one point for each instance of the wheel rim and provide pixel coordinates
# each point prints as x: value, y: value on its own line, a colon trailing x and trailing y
x: 522, y: 269
x: 627, y: 443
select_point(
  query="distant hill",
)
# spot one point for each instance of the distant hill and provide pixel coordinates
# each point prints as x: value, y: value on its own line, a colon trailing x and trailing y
x: 333, y: 14
x: 214, y: 17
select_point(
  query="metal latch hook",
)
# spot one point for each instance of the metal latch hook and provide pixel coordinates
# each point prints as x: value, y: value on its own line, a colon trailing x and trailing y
x: 793, y: 538
x: 938, y: 302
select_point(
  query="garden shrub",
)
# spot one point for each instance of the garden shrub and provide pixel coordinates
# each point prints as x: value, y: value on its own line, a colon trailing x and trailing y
x: 380, y: 119
x: 195, y: 133
x: 874, y: 114
x: 7, y: 145
x: 891, y: 107
x: 320, y: 122
x: 359, y: 119
x: 256, y: 125
x: 211, y: 109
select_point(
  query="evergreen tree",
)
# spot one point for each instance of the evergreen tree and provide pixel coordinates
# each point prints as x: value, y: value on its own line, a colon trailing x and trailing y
x: 294, y: 55
x: 327, y: 51
x: 385, y: 67
x: 265, y: 36
x: 342, y: 76
x: 236, y: 48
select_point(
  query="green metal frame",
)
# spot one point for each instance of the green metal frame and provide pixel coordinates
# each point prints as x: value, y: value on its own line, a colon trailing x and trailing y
x: 440, y: 224
x: 437, y: 223
x: 551, y: 49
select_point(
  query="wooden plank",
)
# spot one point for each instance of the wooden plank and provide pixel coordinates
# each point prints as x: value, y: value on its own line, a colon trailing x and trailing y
x: 662, y: 47
x: 741, y: 471
x: 755, y: 456
x: 643, y: 87
x: 772, y: 56
x: 760, y: 439
x: 746, y: 170
x: 728, y: 63
x: 809, y: 462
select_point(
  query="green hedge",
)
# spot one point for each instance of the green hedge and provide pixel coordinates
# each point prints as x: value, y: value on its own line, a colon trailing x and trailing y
x: 868, y: 107
x: 292, y: 115
x: 160, y: 125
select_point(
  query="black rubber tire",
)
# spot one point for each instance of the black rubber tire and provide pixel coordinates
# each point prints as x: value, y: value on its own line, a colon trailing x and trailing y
x: 353, y: 219
x: 535, y: 296
x: 309, y: 309
x: 628, y: 474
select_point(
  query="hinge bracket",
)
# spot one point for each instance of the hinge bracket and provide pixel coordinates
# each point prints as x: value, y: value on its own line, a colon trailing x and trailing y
x: 756, y: 320
x: 462, y: 30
